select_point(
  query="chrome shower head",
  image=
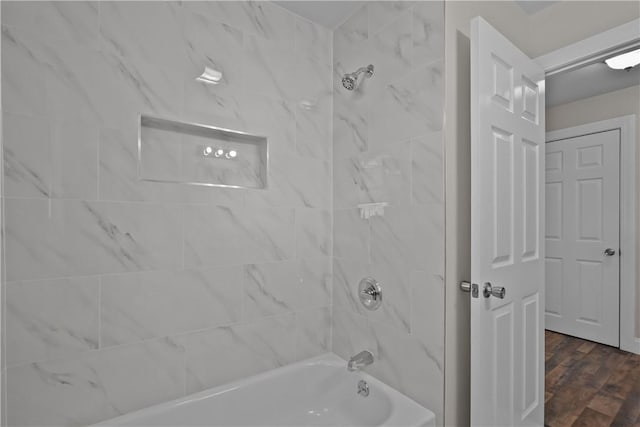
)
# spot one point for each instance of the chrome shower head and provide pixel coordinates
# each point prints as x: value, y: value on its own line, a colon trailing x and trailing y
x: 350, y: 80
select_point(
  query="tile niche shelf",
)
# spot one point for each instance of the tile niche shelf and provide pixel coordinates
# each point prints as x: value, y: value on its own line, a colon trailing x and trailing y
x: 187, y: 153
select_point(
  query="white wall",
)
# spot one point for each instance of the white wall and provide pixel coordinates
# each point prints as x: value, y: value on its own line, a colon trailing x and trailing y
x: 609, y: 105
x: 552, y: 28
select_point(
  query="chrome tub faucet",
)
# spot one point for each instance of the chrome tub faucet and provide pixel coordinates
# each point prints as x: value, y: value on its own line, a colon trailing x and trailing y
x: 359, y: 361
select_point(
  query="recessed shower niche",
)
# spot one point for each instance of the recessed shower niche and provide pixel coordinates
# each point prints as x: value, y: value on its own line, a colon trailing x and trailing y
x: 175, y: 152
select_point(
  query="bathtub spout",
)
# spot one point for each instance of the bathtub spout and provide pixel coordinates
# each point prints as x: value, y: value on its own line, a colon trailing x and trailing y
x: 359, y: 361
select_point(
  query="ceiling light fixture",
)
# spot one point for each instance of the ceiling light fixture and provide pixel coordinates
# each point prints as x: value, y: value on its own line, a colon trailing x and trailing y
x: 626, y: 61
x: 210, y: 76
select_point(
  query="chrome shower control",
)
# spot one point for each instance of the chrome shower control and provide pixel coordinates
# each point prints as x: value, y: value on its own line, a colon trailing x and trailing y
x: 363, y: 388
x: 370, y: 293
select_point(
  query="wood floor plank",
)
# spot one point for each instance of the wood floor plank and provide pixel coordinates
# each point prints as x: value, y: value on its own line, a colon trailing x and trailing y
x: 590, y: 384
x: 591, y: 418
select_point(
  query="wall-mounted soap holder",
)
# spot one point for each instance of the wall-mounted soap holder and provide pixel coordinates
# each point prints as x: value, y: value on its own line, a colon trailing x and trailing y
x: 170, y: 151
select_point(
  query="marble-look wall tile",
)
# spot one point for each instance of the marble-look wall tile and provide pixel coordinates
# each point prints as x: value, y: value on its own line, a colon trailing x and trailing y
x: 428, y: 32
x: 392, y: 49
x: 353, y: 31
x: 285, y: 287
x: 351, y: 235
x: 269, y: 68
x: 54, y: 238
x: 122, y: 272
x: 313, y: 233
x: 270, y: 289
x: 427, y: 169
x: 27, y: 156
x: 145, y: 59
x: 23, y: 83
x: 313, y: 333
x: 407, y: 235
x: 215, y: 235
x: 139, y: 306
x: 313, y: 128
x: 311, y: 38
x: 260, y: 18
x: 221, y: 355
x: 427, y: 315
x: 51, y: 319
x: 382, y: 13
x: 95, y: 387
x: 74, y: 149
x: 216, y: 45
x: 351, y: 334
x: 388, y: 148
x: 409, y: 107
x: 408, y: 365
x: 374, y: 176
x: 55, y: 20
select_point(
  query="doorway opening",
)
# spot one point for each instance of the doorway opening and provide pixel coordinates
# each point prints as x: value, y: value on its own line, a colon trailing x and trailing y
x: 591, y: 307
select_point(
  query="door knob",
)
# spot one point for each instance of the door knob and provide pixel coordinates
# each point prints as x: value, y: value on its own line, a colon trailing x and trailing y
x: 609, y: 252
x: 496, y: 291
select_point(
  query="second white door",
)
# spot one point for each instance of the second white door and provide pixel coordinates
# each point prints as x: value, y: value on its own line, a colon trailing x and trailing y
x: 583, y: 236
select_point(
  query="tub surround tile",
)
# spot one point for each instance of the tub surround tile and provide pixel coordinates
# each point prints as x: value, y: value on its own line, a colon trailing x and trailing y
x: 351, y: 236
x: 313, y: 333
x: 374, y: 176
x: 216, y: 45
x: 27, y: 155
x: 95, y: 387
x: 408, y: 365
x: 313, y: 127
x: 388, y: 148
x: 144, y: 62
x: 270, y: 289
x: 408, y: 107
x: 383, y: 13
x: 351, y: 334
x: 51, y: 319
x: 353, y: 31
x: 312, y: 38
x: 23, y: 83
x: 427, y: 169
x: 56, y: 21
x: 427, y: 313
x: 313, y: 233
x: 216, y: 235
x: 428, y: 32
x: 263, y: 19
x: 74, y: 159
x: 221, y: 355
x: 350, y: 124
x: 285, y: 287
x: 269, y: 68
x: 53, y: 238
x: 141, y: 306
x: 392, y: 48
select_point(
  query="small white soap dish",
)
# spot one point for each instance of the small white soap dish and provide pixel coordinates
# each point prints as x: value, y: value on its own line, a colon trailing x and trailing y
x: 367, y: 210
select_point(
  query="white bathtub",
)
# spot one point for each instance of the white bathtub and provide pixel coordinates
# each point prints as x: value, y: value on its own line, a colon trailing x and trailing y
x: 314, y: 392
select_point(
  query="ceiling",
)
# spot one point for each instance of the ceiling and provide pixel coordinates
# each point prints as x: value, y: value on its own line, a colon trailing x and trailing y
x: 329, y: 14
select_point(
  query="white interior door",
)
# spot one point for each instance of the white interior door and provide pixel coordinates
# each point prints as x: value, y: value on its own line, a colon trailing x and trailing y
x: 583, y: 236
x: 507, y: 222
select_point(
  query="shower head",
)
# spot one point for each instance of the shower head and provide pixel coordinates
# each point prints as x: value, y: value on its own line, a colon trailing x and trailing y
x: 349, y: 80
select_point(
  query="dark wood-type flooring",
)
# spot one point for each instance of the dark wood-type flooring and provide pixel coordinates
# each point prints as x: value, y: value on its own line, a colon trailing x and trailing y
x: 590, y: 384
